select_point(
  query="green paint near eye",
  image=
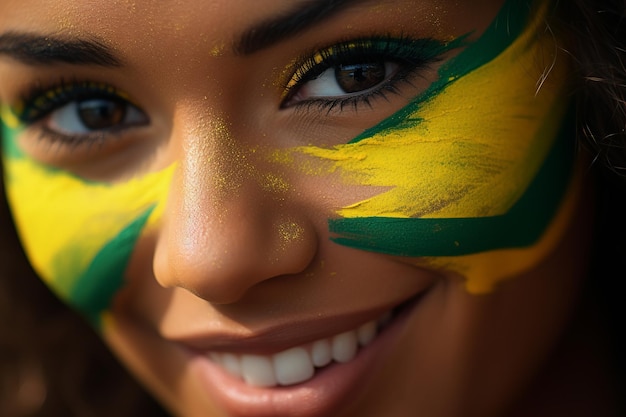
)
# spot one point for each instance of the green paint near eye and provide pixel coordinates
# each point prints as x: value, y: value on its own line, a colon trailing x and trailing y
x: 9, y: 135
x: 442, y: 123
x: 521, y: 226
x: 79, y: 235
x: 415, y: 53
x: 507, y: 26
x: 93, y: 292
x: 476, y: 174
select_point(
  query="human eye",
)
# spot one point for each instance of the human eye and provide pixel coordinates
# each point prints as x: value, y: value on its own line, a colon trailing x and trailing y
x: 78, y: 113
x: 353, y: 73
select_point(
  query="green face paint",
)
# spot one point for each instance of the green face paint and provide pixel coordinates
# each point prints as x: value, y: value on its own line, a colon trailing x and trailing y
x: 79, y: 235
x: 476, y: 164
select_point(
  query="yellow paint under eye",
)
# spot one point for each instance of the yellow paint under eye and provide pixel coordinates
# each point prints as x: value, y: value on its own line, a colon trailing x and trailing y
x: 56, y: 211
x: 477, y: 147
x: 469, y: 151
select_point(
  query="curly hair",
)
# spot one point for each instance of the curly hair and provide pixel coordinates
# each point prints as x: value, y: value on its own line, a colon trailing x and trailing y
x: 53, y: 364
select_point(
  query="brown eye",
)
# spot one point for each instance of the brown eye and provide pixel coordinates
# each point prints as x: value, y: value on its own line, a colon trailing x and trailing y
x: 101, y: 114
x: 346, y: 80
x: 95, y: 115
x: 354, y: 78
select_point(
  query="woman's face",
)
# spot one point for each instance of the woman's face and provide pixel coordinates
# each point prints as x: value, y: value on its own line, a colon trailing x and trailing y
x: 311, y: 208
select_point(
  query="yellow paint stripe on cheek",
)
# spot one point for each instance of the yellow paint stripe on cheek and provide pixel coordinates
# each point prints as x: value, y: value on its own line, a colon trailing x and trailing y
x: 483, y: 271
x: 478, y: 145
x: 55, y: 211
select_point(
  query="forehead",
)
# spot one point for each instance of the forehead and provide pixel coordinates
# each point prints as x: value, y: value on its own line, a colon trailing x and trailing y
x: 149, y: 27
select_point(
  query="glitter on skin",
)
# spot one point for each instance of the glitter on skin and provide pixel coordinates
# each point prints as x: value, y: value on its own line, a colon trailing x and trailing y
x: 440, y: 166
x: 290, y: 231
x: 275, y: 184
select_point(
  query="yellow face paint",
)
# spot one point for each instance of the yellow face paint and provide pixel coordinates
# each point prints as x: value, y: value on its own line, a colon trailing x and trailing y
x: 78, y: 235
x: 475, y: 165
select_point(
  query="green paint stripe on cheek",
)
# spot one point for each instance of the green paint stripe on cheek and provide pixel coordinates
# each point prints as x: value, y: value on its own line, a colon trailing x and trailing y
x: 79, y: 235
x: 94, y: 291
x: 521, y: 226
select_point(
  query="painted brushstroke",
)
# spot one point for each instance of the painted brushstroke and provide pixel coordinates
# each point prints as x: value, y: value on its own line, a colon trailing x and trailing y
x: 79, y: 235
x: 478, y: 163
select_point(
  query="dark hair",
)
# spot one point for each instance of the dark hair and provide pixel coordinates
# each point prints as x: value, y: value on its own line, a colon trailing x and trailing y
x: 53, y: 364
x: 595, y: 36
x: 596, y: 31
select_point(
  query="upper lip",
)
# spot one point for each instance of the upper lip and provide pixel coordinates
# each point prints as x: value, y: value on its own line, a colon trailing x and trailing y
x: 280, y: 336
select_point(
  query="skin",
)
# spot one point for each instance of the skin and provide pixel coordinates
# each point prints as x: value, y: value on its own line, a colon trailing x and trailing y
x: 233, y: 223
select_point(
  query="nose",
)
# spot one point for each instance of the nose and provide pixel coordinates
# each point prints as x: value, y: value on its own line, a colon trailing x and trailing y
x: 225, y: 230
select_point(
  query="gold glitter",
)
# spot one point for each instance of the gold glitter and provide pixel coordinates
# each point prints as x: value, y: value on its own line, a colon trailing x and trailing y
x: 218, y: 50
x: 225, y: 162
x: 275, y: 184
x: 290, y: 231
x: 287, y: 233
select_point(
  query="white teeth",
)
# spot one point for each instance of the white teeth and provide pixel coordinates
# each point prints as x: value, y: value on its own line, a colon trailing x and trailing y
x: 344, y: 347
x: 231, y: 363
x: 320, y: 353
x: 293, y: 366
x: 257, y: 371
x: 297, y: 364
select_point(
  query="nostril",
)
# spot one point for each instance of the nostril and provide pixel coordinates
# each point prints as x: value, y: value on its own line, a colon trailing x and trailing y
x: 218, y: 243
x: 220, y: 261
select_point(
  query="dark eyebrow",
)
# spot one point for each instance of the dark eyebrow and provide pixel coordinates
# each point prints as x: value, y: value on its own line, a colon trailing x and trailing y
x: 272, y: 31
x: 34, y: 49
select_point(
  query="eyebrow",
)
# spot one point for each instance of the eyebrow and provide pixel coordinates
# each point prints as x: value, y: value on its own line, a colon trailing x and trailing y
x: 35, y: 49
x: 276, y: 29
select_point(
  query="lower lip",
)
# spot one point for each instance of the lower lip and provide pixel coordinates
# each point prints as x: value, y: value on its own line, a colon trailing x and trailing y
x: 323, y: 395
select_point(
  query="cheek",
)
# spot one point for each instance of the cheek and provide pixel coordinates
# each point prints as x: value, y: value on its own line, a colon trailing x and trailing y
x: 477, y: 166
x: 79, y: 235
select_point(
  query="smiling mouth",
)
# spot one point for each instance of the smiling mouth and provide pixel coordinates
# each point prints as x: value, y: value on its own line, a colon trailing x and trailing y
x: 300, y: 363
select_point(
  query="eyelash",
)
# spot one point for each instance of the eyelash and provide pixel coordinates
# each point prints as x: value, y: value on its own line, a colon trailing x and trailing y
x: 412, y: 55
x: 43, y: 99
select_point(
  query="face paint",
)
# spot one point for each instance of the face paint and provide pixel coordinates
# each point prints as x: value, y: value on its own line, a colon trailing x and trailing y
x: 78, y: 235
x: 475, y: 165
